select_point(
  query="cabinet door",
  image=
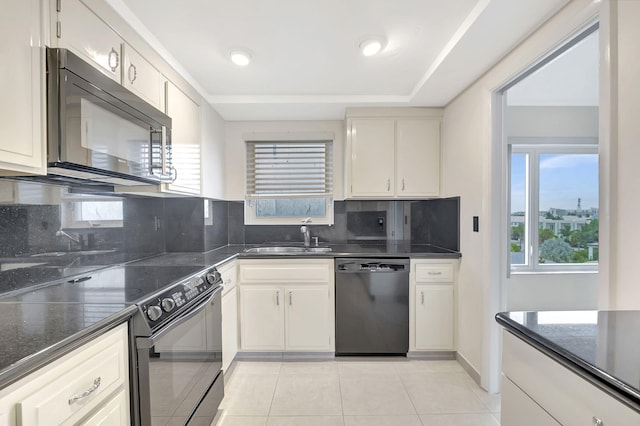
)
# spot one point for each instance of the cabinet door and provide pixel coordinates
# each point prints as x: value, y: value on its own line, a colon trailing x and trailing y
x: 261, y: 318
x: 434, y: 317
x: 308, y: 320
x: 22, y: 134
x: 372, y: 158
x: 142, y: 78
x: 418, y: 157
x: 84, y: 33
x: 229, y: 327
x: 185, y: 140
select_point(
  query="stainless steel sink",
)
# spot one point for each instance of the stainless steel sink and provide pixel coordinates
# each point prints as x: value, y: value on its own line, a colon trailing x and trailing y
x: 72, y: 253
x: 287, y: 250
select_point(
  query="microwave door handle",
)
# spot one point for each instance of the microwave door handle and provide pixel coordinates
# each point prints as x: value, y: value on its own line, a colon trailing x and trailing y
x: 163, y: 131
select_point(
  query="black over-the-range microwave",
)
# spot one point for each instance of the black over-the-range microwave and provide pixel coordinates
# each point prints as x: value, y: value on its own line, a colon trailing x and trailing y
x: 99, y: 132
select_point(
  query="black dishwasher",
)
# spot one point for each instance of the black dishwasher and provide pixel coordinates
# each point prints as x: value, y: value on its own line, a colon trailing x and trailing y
x: 372, y: 306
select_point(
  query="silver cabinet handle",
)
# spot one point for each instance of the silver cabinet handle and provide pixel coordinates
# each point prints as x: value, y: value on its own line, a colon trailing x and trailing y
x: 434, y: 273
x: 403, y: 184
x: 290, y: 298
x: 388, y: 184
x: 114, y: 59
x: 132, y: 73
x: 597, y: 421
x: 92, y: 389
x: 422, y: 297
x: 277, y: 298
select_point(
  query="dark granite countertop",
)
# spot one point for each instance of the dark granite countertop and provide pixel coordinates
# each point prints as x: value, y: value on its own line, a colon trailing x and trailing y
x: 601, y: 346
x: 34, y: 332
x: 389, y: 249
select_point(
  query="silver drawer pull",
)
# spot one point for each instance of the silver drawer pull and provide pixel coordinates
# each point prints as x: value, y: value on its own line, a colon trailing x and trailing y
x: 92, y: 389
x: 113, y: 60
x: 434, y: 273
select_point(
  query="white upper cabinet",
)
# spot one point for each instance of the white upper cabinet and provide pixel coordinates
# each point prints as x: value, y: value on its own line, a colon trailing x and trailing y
x: 372, y: 157
x: 139, y: 76
x: 418, y: 157
x: 22, y: 85
x: 393, y: 153
x: 80, y: 30
x: 185, y: 140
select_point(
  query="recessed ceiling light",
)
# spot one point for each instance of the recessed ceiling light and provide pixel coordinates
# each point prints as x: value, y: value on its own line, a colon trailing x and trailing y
x: 240, y: 57
x: 370, y: 47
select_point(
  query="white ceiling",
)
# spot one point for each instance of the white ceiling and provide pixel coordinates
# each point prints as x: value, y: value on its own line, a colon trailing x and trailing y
x: 306, y: 64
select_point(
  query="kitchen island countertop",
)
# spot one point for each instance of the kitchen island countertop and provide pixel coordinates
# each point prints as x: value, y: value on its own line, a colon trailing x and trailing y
x: 603, y: 347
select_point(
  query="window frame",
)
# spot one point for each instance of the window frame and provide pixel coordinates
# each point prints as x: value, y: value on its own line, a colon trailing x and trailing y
x: 250, y: 206
x: 534, y: 148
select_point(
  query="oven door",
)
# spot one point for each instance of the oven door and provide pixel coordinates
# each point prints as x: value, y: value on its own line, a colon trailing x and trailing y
x: 179, y: 367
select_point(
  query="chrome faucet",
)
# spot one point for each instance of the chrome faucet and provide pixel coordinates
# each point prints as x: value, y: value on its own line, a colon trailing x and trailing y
x: 77, y: 240
x: 307, y: 236
x: 305, y: 232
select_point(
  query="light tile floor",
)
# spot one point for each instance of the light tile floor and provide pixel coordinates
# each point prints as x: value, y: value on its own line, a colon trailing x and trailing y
x: 355, y: 392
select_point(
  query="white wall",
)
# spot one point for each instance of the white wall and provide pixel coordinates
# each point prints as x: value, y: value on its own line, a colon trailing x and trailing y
x: 541, y: 121
x: 235, y: 149
x: 552, y: 292
x: 472, y: 169
x: 213, y: 153
x: 620, y: 176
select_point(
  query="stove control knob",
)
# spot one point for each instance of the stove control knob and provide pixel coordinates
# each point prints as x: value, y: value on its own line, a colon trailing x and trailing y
x: 213, y: 277
x: 168, y: 304
x: 154, y: 312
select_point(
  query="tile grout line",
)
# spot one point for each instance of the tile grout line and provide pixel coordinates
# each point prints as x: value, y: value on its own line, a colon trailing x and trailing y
x: 340, y: 392
x: 409, y: 395
x: 273, y: 396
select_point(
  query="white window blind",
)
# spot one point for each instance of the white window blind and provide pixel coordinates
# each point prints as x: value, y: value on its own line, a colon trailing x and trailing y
x: 289, y: 169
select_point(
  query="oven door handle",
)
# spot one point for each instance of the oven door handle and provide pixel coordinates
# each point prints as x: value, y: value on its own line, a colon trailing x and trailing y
x: 149, y: 342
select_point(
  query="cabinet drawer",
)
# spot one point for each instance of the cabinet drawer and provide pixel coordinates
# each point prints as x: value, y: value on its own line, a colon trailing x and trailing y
x: 435, y: 272
x: 275, y: 271
x: 229, y: 275
x: 79, y: 383
x: 114, y: 412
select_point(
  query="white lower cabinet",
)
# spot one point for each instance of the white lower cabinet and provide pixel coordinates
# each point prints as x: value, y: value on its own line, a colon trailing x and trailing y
x: 432, y: 305
x: 115, y: 412
x: 229, y: 314
x: 534, y: 384
x: 89, y: 385
x: 434, y: 316
x: 262, y: 317
x: 287, y: 305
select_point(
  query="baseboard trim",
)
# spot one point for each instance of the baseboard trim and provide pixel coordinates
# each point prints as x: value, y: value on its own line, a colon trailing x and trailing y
x: 435, y: 355
x: 468, y: 368
x: 284, y: 356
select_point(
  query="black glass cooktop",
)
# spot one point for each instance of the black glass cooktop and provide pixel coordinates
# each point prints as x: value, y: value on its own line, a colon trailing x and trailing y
x: 121, y: 284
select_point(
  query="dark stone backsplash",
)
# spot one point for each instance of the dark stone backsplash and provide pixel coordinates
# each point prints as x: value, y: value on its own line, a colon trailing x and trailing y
x: 189, y: 224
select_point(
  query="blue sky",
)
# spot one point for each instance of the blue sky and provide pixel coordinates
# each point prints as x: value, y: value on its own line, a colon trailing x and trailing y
x: 563, y: 179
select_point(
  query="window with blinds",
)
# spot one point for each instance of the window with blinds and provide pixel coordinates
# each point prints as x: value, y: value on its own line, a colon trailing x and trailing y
x: 288, y: 181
